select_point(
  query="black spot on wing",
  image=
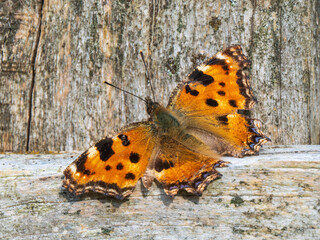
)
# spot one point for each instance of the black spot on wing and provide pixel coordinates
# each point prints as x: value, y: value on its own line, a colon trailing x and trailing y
x: 104, y: 147
x: 81, y: 161
x: 211, y: 102
x: 88, y: 172
x: 242, y: 87
x: 191, y: 91
x: 222, y: 84
x: 119, y: 166
x: 167, y: 164
x: 233, y: 103
x: 221, y: 62
x: 134, y: 157
x: 226, y: 68
x: 199, y: 76
x: 124, y: 139
x: 130, y: 176
x: 223, y: 119
x: 108, y: 167
x: 158, y: 166
x: 222, y: 93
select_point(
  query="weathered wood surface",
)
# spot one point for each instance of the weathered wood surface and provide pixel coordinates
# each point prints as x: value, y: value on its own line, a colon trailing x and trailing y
x: 19, y: 25
x: 56, y: 54
x: 272, y: 196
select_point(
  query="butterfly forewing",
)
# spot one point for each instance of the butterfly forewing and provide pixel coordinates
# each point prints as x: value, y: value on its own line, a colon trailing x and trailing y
x: 113, y: 165
x: 213, y: 96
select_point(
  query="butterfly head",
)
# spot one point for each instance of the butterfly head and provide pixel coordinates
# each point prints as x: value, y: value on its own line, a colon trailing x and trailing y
x: 151, y: 106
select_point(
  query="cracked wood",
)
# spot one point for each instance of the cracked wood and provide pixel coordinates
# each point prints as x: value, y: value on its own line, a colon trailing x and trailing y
x: 271, y: 196
x: 51, y: 92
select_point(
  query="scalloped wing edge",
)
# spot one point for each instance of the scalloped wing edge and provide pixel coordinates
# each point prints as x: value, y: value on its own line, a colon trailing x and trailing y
x: 257, y: 140
x: 95, y: 186
x: 198, y: 185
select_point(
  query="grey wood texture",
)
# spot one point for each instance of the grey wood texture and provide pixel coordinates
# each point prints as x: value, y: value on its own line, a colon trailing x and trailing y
x: 275, y: 195
x: 55, y: 56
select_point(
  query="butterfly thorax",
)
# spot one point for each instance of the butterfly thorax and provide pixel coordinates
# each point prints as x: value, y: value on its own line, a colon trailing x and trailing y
x: 165, y: 119
x: 173, y: 126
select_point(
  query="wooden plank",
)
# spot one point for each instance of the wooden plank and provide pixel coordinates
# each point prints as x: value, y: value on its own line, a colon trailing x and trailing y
x: 284, y: 59
x: 266, y: 58
x: 272, y: 196
x: 175, y: 37
x: 315, y: 75
x: 84, y: 43
x: 19, y: 23
x: 70, y: 104
x: 296, y: 69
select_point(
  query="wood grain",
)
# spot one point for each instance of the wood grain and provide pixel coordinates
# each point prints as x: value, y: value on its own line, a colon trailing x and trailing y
x: 83, y: 43
x: 272, y: 196
x: 19, y: 27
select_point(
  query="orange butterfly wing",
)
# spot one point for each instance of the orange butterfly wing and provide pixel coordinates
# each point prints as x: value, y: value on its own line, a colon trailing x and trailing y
x: 113, y: 165
x: 217, y: 95
x: 176, y: 167
x: 220, y: 82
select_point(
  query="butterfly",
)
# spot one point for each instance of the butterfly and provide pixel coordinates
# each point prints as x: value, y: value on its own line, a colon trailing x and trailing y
x: 179, y: 145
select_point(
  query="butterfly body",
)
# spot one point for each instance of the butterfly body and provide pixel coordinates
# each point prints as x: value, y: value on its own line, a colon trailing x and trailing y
x: 180, y: 145
x: 176, y: 126
x: 165, y: 119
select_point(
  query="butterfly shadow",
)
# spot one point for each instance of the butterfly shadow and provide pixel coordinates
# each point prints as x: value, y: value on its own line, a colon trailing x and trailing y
x: 91, y: 196
x: 166, y: 199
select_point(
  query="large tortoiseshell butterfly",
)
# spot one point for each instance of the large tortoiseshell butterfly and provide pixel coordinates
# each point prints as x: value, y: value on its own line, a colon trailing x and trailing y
x: 180, y: 145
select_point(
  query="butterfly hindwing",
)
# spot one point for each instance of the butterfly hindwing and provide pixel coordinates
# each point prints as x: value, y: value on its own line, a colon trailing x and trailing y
x: 233, y: 134
x: 216, y: 95
x: 178, y: 167
x: 113, y: 165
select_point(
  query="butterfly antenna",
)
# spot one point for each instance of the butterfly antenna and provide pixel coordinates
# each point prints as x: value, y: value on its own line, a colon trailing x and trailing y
x: 147, y: 75
x: 110, y: 84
